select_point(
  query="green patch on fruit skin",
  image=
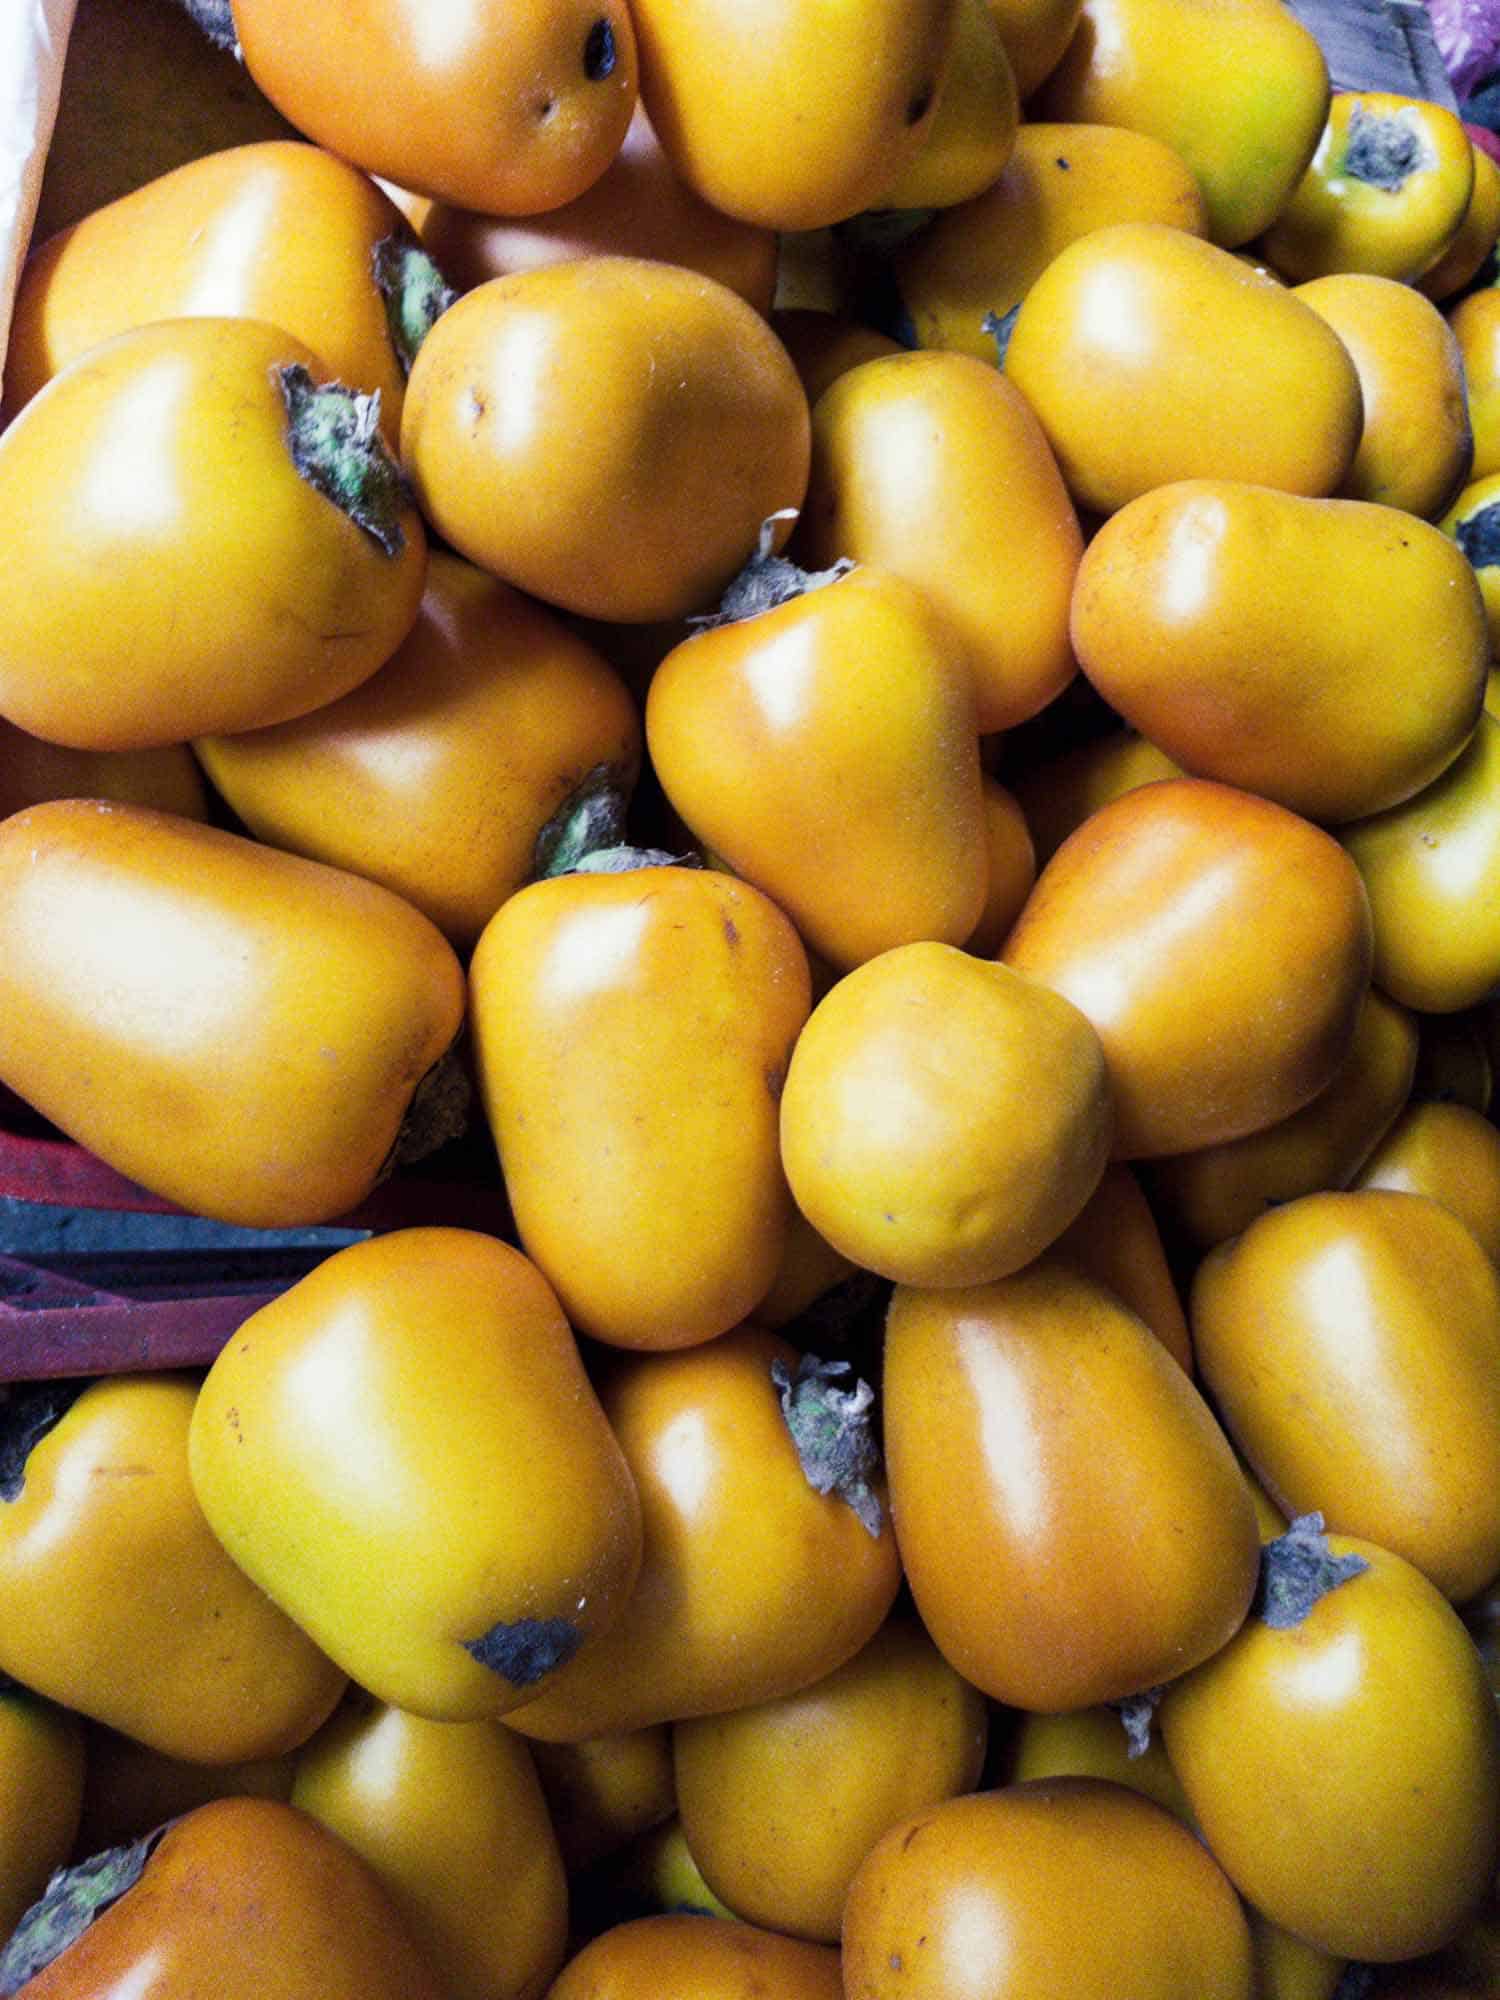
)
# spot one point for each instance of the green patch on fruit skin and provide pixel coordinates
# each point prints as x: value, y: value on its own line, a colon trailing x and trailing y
x: 1478, y: 535
x: 333, y: 433
x: 1384, y: 151
x: 415, y: 292
x: 69, y: 1904
x: 30, y: 1411
x: 524, y: 1651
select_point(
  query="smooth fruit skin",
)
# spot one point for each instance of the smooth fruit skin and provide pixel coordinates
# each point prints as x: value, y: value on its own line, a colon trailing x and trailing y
x: 752, y: 1584
x: 1093, y: 1743
x: 1450, y: 1152
x: 781, y: 1801
x: 1035, y: 33
x: 451, y: 1818
x: 1190, y: 618
x: 826, y: 750
x: 193, y: 1659
x: 607, y: 433
x: 753, y: 104
x: 631, y: 1035
x: 172, y: 571
x: 278, y: 231
x: 1351, y: 1342
x: 1115, y: 1240
x: 1061, y: 181
x: 698, y: 1958
x: 41, y: 1795
x: 933, y: 467
x: 1206, y: 1197
x: 605, y: 1791
x: 502, y: 105
x: 973, y: 130
x: 1053, y: 1889
x: 1475, y: 321
x: 33, y: 770
x: 1071, y: 1519
x: 449, y: 1534
x: 1345, y: 1771
x: 285, y: 1013
x: 944, y: 1119
x: 437, y: 776
x: 1058, y: 793
x: 246, y: 1899
x: 1428, y: 867
x: 638, y: 207
x: 1474, y: 240
x: 1151, y: 356
x: 1012, y: 867
x: 1220, y: 945
x: 1240, y: 89
x: 1417, y: 444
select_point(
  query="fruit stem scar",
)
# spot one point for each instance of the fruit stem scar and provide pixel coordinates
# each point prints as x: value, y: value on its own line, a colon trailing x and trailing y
x: 1384, y: 151
x: 525, y: 1650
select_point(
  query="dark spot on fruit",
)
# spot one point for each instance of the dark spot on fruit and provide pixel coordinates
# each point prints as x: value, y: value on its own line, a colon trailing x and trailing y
x: 524, y: 1650
x: 920, y: 105
x: 731, y: 932
x: 600, y: 53
x: 545, y: 108
x: 1064, y: 164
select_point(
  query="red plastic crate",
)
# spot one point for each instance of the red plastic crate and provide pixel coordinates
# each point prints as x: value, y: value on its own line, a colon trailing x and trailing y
x: 111, y: 1312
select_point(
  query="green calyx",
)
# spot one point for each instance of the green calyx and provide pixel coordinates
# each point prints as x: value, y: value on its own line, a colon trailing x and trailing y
x: 69, y: 1904
x: 1297, y: 1570
x: 415, y: 292
x: 768, y: 580
x: 590, y: 818
x: 999, y: 327
x: 833, y: 1429
x: 333, y: 433
x: 29, y: 1412
x: 438, y: 1112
